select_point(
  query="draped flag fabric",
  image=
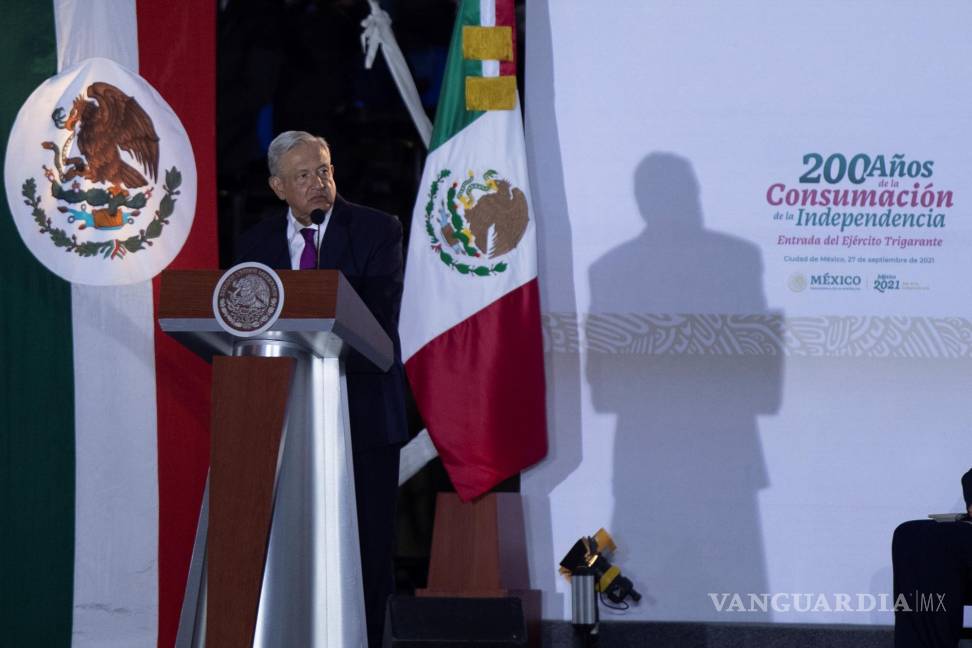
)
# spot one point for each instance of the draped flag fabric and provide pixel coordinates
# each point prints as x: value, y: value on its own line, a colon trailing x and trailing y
x: 470, y: 322
x: 103, y: 420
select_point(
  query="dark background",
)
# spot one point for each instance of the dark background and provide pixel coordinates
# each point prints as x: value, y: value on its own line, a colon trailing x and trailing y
x: 299, y: 65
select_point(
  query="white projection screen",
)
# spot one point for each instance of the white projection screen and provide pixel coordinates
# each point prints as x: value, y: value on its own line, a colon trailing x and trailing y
x: 756, y: 267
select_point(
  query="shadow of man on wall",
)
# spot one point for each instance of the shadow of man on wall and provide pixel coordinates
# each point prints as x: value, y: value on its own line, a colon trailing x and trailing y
x: 682, y: 349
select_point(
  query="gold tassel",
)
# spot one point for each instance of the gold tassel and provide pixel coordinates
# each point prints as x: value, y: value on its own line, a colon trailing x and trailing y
x: 487, y: 43
x: 491, y: 93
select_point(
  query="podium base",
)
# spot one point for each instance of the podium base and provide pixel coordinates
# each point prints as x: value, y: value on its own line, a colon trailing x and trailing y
x: 307, y: 591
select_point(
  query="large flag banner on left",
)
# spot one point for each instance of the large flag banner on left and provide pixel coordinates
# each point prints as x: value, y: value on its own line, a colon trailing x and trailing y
x: 103, y: 420
x: 470, y: 323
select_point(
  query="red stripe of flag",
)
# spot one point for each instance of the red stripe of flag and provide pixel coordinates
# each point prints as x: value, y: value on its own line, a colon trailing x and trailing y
x: 506, y: 16
x: 480, y: 387
x: 177, y: 55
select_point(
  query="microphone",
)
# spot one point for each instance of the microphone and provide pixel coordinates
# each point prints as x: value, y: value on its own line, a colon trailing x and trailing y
x: 318, y: 216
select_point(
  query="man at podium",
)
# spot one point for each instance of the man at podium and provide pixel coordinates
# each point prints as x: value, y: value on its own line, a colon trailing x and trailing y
x: 321, y: 230
x: 933, y: 572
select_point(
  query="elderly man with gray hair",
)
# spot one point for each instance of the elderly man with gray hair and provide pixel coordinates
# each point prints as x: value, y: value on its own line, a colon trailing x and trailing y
x: 319, y: 229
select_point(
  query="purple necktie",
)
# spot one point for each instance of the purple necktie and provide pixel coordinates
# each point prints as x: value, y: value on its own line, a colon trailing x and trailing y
x: 308, y: 258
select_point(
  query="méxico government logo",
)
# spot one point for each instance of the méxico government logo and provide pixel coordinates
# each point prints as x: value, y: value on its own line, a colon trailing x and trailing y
x: 100, y: 176
x: 797, y: 282
x: 473, y: 222
x: 248, y: 299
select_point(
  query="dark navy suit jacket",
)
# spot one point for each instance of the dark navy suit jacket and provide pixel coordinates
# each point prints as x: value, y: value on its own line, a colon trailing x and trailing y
x: 366, y: 245
x: 967, y: 488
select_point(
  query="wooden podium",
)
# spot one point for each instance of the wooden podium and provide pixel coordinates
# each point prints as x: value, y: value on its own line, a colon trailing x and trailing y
x: 479, y: 551
x: 276, y: 559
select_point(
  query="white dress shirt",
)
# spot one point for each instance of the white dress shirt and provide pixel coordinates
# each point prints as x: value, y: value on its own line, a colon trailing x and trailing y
x: 295, y: 240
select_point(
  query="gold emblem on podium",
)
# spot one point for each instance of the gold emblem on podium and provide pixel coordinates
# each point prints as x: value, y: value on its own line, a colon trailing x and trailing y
x: 248, y: 299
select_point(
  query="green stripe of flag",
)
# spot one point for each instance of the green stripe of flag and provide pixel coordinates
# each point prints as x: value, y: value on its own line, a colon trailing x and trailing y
x: 36, y: 385
x: 451, y: 115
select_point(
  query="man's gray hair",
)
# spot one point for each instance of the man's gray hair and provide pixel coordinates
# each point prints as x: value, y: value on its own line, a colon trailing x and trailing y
x: 287, y: 141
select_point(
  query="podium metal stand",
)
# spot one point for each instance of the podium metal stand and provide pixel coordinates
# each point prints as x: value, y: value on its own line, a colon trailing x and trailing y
x: 276, y: 558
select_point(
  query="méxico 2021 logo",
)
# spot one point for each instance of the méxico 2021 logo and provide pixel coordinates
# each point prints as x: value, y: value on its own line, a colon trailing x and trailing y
x: 475, y: 222
x: 106, y: 173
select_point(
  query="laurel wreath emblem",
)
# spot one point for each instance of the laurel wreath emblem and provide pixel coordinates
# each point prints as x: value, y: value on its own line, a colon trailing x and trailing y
x: 115, y: 248
x: 458, y: 225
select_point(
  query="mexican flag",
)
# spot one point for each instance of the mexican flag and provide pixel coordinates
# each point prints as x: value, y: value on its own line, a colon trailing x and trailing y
x: 103, y: 419
x: 470, y: 321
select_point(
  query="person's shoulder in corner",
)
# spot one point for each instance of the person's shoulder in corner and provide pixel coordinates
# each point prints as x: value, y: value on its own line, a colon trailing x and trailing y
x: 967, y: 490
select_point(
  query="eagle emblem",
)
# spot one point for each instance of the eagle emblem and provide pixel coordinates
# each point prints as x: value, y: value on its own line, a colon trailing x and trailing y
x: 98, y: 159
x: 248, y: 299
x: 106, y: 121
x: 477, y: 221
x: 103, y: 122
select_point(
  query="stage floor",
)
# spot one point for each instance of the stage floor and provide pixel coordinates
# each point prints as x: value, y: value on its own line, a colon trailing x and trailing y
x: 637, y: 634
